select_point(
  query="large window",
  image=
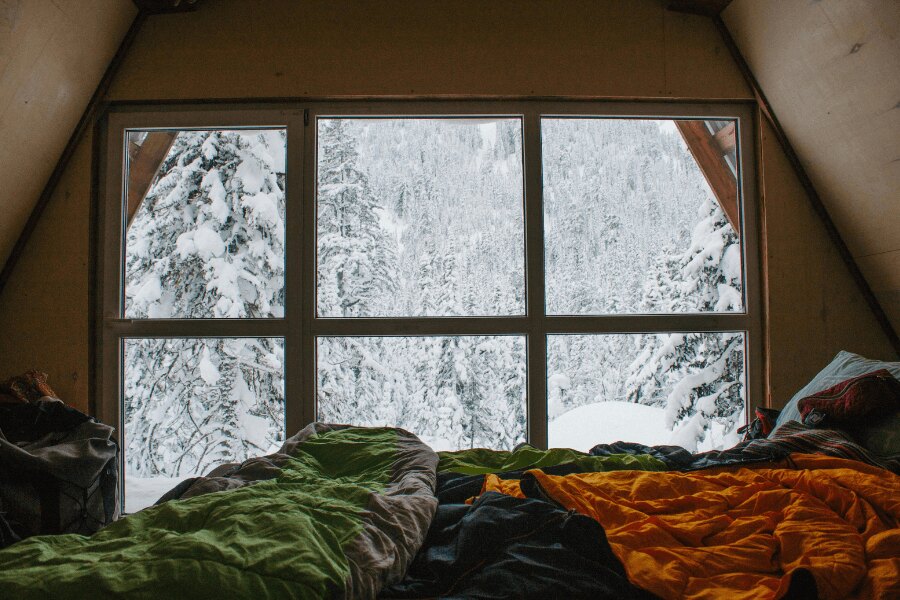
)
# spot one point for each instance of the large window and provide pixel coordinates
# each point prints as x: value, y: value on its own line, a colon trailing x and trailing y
x: 481, y: 274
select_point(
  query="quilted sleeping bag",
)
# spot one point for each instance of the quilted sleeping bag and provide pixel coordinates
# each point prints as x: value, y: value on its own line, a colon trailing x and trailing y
x: 738, y: 532
x: 339, y: 512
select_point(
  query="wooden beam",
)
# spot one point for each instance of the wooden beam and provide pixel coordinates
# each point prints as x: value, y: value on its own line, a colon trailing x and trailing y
x: 725, y: 138
x: 143, y: 165
x: 710, y: 159
x: 806, y: 183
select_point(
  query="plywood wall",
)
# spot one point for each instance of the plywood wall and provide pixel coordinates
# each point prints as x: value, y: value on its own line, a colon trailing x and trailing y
x: 281, y: 48
x: 615, y: 48
x: 44, y: 306
x: 814, y: 307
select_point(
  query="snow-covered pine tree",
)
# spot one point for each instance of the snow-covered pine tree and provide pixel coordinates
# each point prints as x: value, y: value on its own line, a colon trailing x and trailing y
x: 502, y: 371
x: 475, y: 391
x: 356, y: 258
x: 357, y: 276
x: 208, y: 242
x: 697, y: 377
x: 449, y: 233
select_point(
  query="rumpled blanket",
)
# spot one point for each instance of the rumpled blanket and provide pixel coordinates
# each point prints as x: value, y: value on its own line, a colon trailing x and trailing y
x: 791, y: 437
x: 338, y: 513
x: 741, y: 532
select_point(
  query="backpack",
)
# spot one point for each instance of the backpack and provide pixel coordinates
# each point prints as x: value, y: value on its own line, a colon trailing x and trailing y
x: 58, y: 471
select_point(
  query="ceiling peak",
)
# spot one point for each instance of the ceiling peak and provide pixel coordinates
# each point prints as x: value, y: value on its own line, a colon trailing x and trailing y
x: 154, y: 7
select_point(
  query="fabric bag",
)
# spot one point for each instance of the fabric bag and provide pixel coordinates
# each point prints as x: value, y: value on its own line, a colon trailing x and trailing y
x: 58, y: 471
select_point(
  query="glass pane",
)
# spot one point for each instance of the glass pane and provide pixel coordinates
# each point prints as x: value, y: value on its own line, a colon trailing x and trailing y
x: 683, y: 389
x: 453, y: 392
x: 420, y: 217
x: 632, y: 225
x: 205, y: 224
x: 192, y: 404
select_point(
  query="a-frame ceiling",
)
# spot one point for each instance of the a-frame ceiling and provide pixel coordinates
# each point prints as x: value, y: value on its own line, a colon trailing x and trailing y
x: 830, y: 69
x: 52, y: 56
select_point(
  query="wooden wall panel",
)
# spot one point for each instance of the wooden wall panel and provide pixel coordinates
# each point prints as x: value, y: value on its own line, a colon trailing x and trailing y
x: 44, y: 307
x: 815, y: 308
x: 615, y: 48
x: 697, y: 63
x: 881, y: 271
x: 27, y: 29
x: 52, y: 55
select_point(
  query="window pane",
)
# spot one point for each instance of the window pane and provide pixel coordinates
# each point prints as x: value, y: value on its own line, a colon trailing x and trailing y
x: 632, y: 225
x: 453, y: 392
x: 192, y: 404
x: 684, y: 389
x: 205, y: 224
x: 420, y: 217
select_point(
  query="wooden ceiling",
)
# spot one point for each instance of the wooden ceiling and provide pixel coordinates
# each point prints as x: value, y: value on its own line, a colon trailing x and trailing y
x: 52, y: 57
x: 709, y: 8
x: 154, y: 7
x: 830, y: 68
x: 831, y: 71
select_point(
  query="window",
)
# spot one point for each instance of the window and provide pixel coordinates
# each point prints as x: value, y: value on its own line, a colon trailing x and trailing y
x: 481, y: 274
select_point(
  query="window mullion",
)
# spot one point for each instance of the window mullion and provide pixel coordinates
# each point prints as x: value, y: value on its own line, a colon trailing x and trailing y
x: 308, y: 341
x: 421, y: 326
x: 109, y: 214
x: 295, y: 241
x: 585, y: 324
x: 188, y: 328
x: 300, y: 328
x: 534, y: 281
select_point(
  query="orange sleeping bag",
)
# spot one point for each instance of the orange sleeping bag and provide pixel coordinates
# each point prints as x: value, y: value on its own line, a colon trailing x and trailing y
x: 739, y: 532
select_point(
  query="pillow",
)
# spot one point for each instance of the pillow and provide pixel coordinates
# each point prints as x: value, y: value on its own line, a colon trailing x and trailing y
x: 845, y: 365
x: 854, y: 401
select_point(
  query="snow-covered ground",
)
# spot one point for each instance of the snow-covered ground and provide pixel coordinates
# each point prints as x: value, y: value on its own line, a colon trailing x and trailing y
x: 584, y: 427
x: 605, y: 422
x: 437, y: 443
x: 141, y: 492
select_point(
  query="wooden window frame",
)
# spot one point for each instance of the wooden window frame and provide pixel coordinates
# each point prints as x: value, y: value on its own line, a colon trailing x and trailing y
x: 300, y: 327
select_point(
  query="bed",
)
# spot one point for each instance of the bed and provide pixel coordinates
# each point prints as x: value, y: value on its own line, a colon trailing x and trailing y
x: 801, y: 511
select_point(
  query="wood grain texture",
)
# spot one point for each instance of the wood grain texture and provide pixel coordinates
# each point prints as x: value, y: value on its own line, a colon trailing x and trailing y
x: 143, y: 165
x: 707, y: 151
